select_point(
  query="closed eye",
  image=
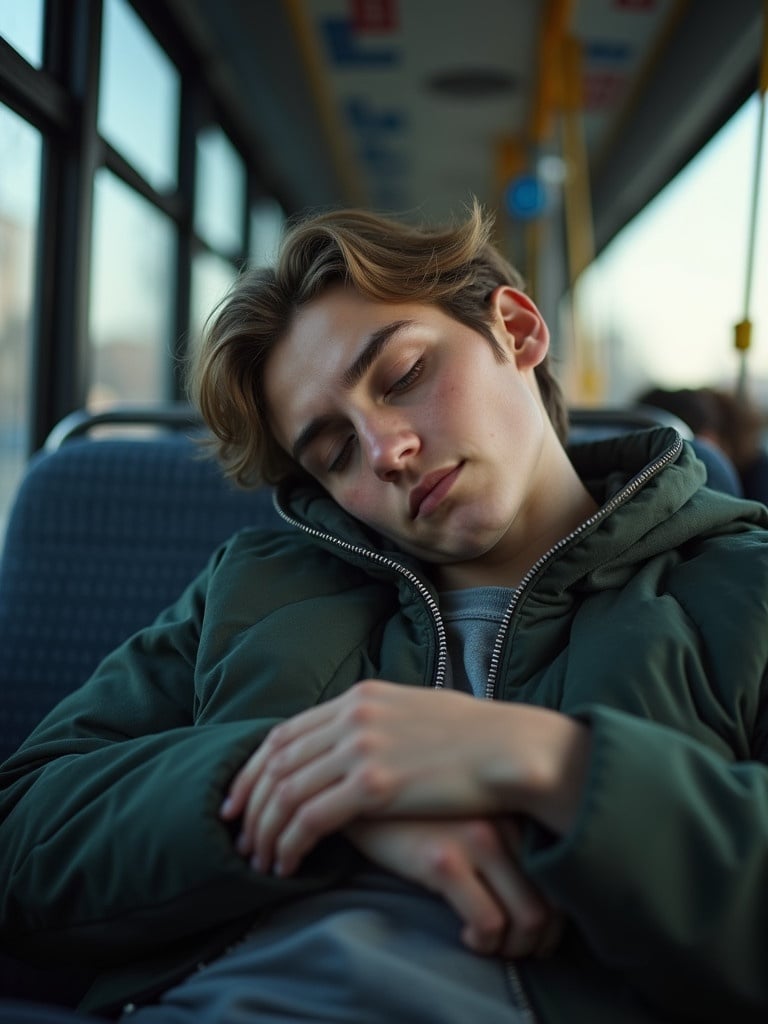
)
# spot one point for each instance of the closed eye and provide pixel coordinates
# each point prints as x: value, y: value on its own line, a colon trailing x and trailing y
x: 341, y: 460
x: 408, y: 378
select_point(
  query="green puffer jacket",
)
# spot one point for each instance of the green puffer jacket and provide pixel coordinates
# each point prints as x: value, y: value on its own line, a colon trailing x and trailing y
x: 650, y: 623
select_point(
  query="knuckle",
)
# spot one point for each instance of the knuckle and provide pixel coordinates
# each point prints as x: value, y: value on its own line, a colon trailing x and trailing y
x: 276, y: 736
x: 363, y: 743
x: 443, y: 860
x: 277, y: 765
x: 283, y: 795
x: 360, y: 713
x: 308, y: 820
x: 366, y: 688
x: 374, y: 785
x: 362, y: 698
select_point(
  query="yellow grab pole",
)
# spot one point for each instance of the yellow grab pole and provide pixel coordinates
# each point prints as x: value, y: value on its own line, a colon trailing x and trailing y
x: 743, y: 329
x: 580, y: 241
x: 319, y: 78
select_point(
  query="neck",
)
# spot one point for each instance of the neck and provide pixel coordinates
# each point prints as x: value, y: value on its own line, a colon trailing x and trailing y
x: 561, y: 503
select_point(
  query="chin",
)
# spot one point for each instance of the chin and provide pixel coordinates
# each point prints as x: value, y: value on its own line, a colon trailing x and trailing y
x: 451, y: 554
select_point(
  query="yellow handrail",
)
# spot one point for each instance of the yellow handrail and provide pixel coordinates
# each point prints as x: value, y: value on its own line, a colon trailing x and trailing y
x: 743, y: 329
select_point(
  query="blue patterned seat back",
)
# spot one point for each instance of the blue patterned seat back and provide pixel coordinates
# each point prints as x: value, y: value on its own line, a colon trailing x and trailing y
x: 103, y: 535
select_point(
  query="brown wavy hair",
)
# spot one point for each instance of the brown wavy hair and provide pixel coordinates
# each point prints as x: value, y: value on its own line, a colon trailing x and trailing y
x: 454, y: 268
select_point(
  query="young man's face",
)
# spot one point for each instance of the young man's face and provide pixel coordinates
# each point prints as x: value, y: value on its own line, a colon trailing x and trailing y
x: 412, y: 423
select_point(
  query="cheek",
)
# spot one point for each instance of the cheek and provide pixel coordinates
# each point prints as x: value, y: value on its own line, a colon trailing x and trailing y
x: 358, y: 501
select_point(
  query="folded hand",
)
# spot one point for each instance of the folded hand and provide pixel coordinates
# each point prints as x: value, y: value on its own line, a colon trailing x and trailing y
x: 472, y: 864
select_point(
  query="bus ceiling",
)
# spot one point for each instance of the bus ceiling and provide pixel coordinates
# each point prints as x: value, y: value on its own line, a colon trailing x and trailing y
x: 416, y: 105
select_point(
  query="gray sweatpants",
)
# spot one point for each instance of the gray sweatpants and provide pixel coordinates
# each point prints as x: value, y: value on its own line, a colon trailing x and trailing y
x: 376, y: 951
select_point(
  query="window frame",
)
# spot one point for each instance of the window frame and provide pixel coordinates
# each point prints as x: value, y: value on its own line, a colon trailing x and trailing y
x: 60, y: 99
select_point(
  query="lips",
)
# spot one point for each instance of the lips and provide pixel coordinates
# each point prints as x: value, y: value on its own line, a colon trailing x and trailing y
x: 431, y: 490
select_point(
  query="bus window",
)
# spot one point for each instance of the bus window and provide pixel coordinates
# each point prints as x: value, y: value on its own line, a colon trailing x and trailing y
x: 266, y: 229
x: 211, y: 279
x: 131, y: 296
x: 20, y: 151
x: 22, y: 26
x: 219, y: 192
x: 665, y: 294
x: 139, y: 96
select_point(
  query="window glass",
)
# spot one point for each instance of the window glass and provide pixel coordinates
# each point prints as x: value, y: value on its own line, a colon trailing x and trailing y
x: 664, y: 296
x: 267, y: 224
x: 139, y: 96
x: 20, y: 147
x: 21, y: 24
x: 132, y: 288
x: 219, y: 192
x: 212, y: 278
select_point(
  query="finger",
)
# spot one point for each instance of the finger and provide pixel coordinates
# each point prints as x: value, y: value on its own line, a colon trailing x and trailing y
x: 510, y: 831
x: 270, y: 812
x: 326, y: 813
x: 335, y: 790
x: 530, y: 917
x: 241, y: 785
x: 452, y: 875
x: 528, y: 913
x: 293, y: 772
x: 280, y: 737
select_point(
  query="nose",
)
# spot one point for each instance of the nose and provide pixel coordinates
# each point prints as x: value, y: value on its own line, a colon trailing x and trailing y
x: 390, y: 445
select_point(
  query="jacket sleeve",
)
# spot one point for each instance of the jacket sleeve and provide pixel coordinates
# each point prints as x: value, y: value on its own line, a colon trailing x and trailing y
x: 665, y: 872
x: 110, y: 841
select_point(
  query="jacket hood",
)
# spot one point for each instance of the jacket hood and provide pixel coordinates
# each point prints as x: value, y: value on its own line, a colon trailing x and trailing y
x: 652, y: 496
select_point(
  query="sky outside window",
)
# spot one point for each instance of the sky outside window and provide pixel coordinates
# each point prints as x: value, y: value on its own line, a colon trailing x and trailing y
x: 20, y: 147
x: 139, y: 97
x: 664, y: 296
x: 21, y: 24
x: 220, y: 192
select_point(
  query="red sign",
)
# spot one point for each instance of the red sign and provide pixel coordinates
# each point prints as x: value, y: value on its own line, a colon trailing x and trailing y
x: 603, y: 89
x: 373, y: 15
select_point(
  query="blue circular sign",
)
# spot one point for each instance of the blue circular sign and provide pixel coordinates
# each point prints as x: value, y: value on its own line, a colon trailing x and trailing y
x: 525, y: 197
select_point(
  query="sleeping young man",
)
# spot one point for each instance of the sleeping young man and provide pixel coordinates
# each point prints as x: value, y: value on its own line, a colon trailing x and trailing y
x: 482, y: 737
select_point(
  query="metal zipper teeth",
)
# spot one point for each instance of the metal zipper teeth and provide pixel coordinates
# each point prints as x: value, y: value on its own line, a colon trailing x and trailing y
x: 618, y: 499
x: 519, y: 994
x: 513, y: 977
x: 389, y: 563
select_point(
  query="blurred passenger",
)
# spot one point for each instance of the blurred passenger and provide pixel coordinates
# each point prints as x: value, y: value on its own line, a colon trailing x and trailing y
x: 741, y: 437
x: 732, y: 426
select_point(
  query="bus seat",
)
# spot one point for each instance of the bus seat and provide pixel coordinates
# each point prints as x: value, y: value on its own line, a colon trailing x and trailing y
x: 104, y: 533
x: 596, y: 424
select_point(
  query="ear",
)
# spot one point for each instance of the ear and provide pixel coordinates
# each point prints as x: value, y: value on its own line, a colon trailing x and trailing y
x: 520, y: 326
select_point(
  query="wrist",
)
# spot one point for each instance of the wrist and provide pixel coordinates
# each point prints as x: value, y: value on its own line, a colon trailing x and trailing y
x: 545, y: 770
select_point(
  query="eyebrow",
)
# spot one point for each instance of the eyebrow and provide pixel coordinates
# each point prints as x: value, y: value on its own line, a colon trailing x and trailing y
x: 349, y: 379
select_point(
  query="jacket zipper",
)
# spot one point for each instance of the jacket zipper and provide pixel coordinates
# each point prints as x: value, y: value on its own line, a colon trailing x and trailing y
x: 519, y: 995
x: 513, y: 977
x: 388, y: 563
x: 618, y: 499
